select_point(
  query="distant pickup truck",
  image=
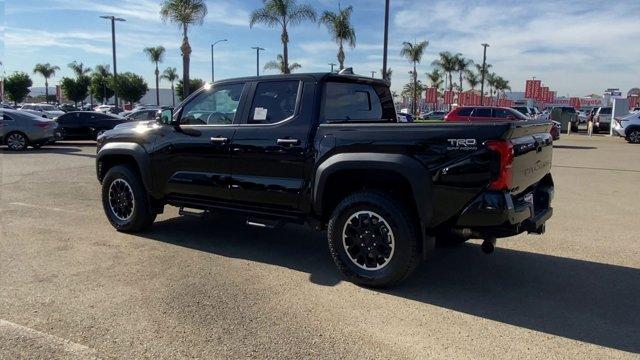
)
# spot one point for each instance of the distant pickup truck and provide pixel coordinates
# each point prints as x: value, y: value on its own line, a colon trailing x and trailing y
x: 326, y: 149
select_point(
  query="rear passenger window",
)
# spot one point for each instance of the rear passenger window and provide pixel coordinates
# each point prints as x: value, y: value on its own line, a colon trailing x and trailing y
x: 482, y: 112
x: 465, y: 111
x: 502, y: 113
x: 351, y: 102
x: 273, y: 102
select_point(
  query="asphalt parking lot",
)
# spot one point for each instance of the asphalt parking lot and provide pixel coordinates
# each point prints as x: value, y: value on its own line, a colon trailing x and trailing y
x: 72, y: 287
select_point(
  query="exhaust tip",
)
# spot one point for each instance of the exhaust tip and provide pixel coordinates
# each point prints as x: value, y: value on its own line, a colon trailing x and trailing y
x: 488, y: 245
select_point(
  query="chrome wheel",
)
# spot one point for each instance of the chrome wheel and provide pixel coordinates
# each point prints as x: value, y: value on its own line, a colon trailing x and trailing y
x: 16, y: 141
x: 368, y: 240
x: 634, y: 137
x: 121, y: 199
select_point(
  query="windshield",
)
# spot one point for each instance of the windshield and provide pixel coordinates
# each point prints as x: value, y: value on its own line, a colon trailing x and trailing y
x: 48, y: 107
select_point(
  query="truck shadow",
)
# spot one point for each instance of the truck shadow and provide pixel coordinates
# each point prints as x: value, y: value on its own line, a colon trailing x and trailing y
x: 580, y: 300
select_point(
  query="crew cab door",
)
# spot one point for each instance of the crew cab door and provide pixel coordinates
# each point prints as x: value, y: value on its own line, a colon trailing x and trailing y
x: 191, y: 162
x: 271, y: 145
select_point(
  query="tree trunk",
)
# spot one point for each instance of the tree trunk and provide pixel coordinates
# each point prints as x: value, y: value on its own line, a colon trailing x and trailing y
x: 46, y: 90
x: 157, y: 85
x: 285, y: 49
x: 173, y: 95
x: 415, y: 90
x: 460, y: 81
x: 186, y: 52
x: 341, y: 55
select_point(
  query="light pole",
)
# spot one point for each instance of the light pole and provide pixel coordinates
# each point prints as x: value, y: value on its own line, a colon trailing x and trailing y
x: 213, y: 71
x: 484, y: 70
x: 113, y: 45
x: 257, y: 49
x: 373, y: 74
x: 332, y: 65
x: 386, y: 39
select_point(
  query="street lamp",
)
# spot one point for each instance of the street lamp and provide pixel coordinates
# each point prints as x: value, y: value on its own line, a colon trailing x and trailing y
x: 373, y: 74
x: 386, y: 39
x: 257, y: 49
x: 212, y: 67
x: 113, y: 45
x: 332, y: 65
x: 484, y: 70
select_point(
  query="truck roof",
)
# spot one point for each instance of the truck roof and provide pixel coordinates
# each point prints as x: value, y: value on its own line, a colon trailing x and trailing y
x: 321, y: 77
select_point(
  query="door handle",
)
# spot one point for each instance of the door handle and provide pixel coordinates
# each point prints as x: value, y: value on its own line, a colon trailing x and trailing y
x: 218, y: 140
x: 288, y: 142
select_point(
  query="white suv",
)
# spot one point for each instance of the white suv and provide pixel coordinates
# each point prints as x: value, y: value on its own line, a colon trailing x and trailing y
x: 628, y: 127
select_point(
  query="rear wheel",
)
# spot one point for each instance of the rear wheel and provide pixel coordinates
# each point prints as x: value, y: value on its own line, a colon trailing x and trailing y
x: 634, y: 136
x: 373, y: 239
x: 17, y: 141
x: 125, y: 200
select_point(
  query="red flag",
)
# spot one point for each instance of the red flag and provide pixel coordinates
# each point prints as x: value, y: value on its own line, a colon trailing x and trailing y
x: 633, y: 101
x: 528, y: 89
x: 448, y: 97
x: 432, y: 95
x: 544, y: 94
x: 537, y: 85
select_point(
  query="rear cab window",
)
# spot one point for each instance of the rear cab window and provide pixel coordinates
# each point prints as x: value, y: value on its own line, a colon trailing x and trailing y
x: 353, y: 102
x: 274, y: 101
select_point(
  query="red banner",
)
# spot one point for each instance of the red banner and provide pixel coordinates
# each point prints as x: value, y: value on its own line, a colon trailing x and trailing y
x: 537, y: 89
x: 544, y: 94
x: 633, y: 101
x: 448, y: 97
x: 432, y: 96
x: 528, y: 89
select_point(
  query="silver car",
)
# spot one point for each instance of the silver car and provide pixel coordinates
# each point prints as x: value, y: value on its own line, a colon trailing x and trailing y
x: 19, y: 129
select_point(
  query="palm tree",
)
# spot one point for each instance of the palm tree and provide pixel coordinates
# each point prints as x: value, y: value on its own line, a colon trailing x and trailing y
x: 435, y: 78
x: 462, y: 65
x: 482, y: 71
x: 184, y: 13
x: 492, y: 81
x: 413, y: 53
x: 339, y: 25
x: 79, y: 69
x: 104, y: 72
x: 278, y: 65
x: 47, y: 71
x: 447, y: 63
x: 282, y: 13
x: 473, y: 79
x: 156, y: 54
x: 171, y: 75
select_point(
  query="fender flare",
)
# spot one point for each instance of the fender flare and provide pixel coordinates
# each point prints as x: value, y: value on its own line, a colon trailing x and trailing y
x: 410, y: 169
x: 133, y: 150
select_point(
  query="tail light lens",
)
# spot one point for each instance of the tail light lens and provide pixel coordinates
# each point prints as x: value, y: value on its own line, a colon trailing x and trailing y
x: 504, y: 148
x: 43, y: 125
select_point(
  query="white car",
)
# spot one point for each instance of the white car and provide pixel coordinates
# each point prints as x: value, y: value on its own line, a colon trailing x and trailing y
x: 628, y: 127
x: 42, y: 110
x: 103, y: 108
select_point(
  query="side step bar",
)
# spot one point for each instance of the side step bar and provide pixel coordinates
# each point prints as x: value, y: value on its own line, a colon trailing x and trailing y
x: 264, y: 223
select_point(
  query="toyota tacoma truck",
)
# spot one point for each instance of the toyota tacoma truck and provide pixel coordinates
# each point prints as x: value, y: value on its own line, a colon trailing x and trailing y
x: 327, y: 150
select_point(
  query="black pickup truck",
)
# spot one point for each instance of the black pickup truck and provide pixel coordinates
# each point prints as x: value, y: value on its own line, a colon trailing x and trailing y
x: 326, y: 149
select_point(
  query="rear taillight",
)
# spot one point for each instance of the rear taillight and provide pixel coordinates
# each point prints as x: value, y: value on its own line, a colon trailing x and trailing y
x: 504, y: 148
x: 43, y: 125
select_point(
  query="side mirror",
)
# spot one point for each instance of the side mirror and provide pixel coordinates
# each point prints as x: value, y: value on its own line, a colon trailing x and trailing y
x: 166, y: 117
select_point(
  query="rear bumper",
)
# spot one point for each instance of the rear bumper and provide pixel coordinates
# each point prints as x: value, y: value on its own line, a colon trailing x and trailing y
x: 500, y: 214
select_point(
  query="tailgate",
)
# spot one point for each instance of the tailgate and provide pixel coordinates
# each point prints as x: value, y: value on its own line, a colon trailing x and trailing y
x: 533, y: 152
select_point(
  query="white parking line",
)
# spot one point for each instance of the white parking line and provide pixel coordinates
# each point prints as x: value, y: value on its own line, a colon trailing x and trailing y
x: 43, y: 341
x: 41, y: 207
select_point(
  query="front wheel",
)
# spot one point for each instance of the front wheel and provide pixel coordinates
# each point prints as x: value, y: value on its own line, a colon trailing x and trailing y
x: 373, y: 239
x: 634, y: 136
x: 125, y: 200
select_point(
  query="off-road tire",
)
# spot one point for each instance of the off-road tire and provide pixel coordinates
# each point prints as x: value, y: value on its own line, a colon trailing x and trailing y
x: 142, y: 216
x: 405, y: 256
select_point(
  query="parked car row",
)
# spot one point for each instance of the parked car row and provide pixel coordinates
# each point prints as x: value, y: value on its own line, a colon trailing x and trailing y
x: 20, y: 129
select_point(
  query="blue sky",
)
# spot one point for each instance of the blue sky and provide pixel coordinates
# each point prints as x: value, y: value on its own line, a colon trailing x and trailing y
x: 575, y: 47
